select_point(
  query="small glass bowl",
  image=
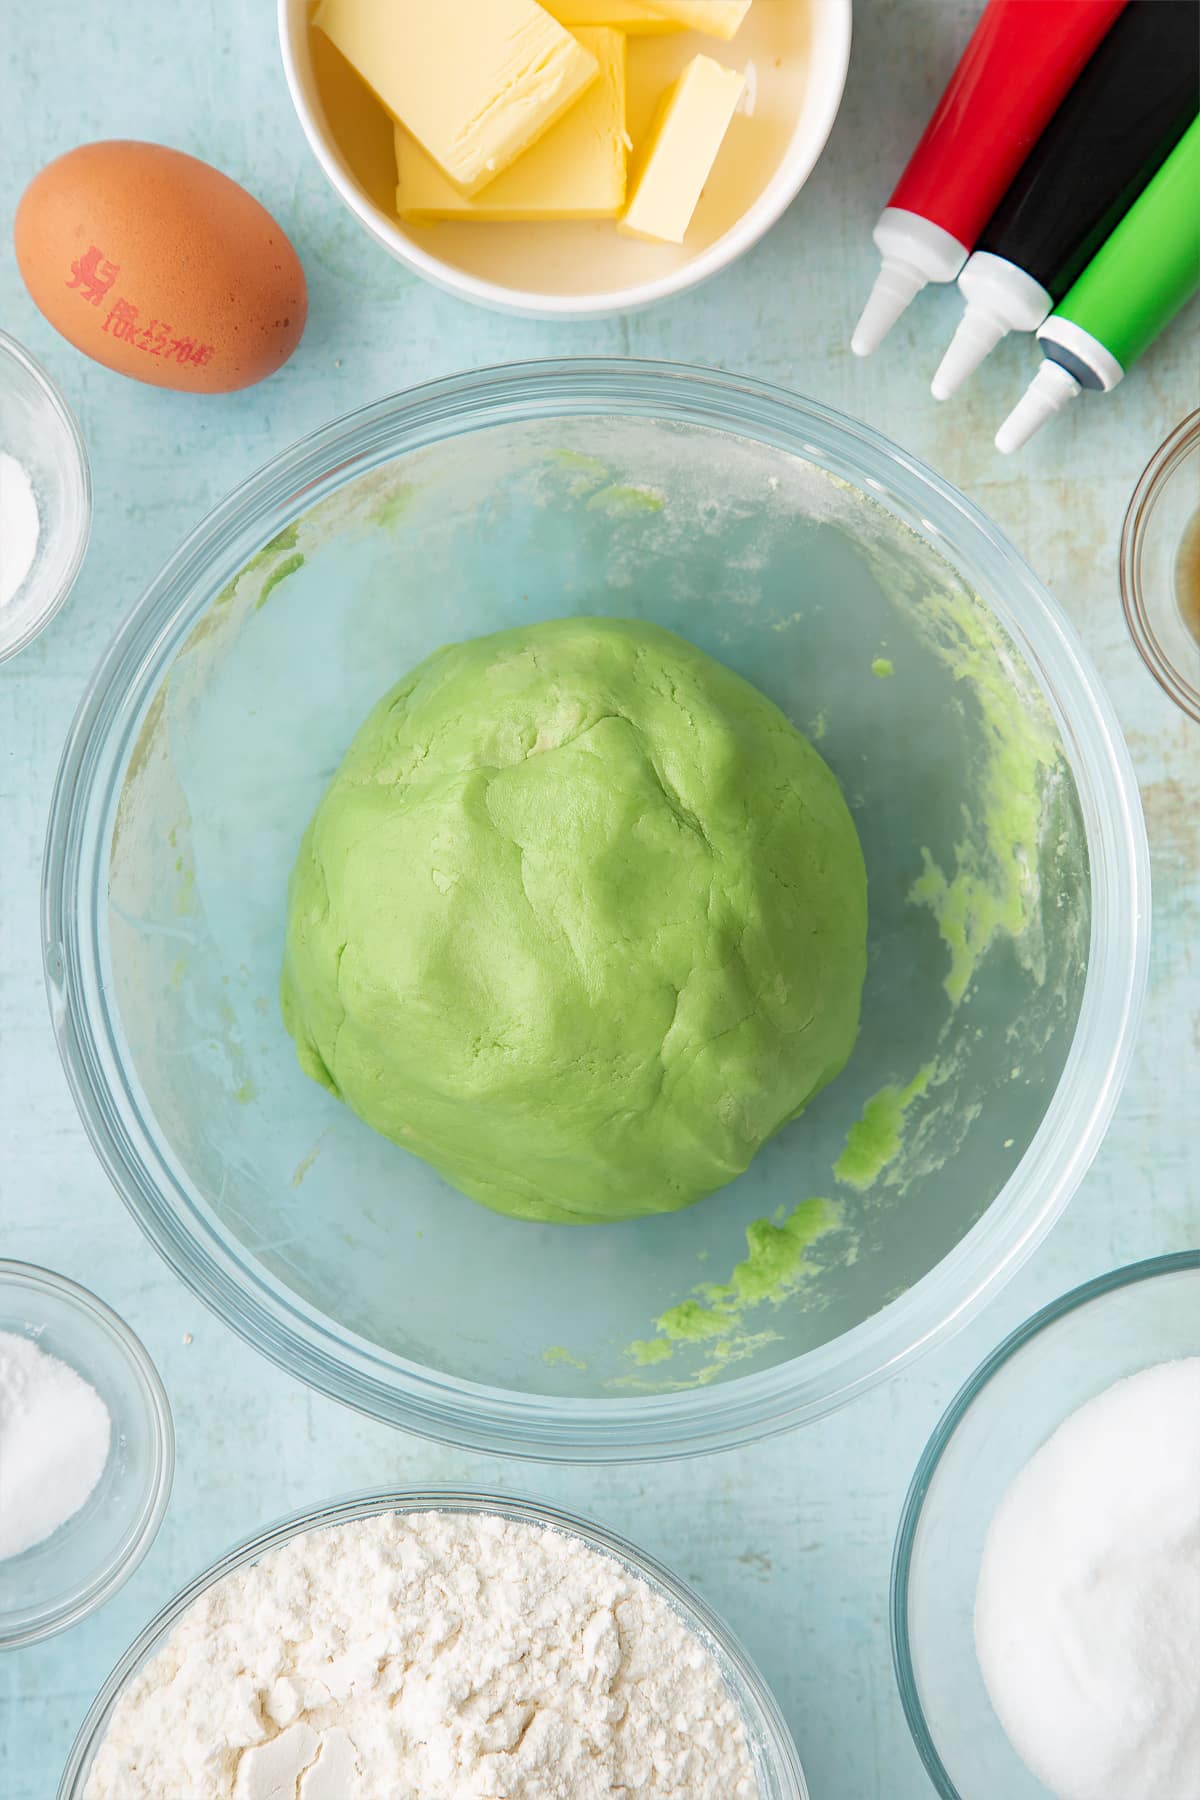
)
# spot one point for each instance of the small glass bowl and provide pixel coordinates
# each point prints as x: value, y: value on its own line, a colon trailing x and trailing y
x: 1075, y: 1348
x: 1165, y: 503
x: 776, y: 1763
x: 39, y: 430
x: 56, y: 1583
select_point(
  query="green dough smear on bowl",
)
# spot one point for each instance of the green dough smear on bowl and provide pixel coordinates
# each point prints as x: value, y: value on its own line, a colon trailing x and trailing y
x: 581, y: 920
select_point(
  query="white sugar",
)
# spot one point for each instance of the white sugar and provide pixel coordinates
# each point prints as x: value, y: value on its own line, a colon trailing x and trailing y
x: 19, y: 526
x: 1087, y: 1613
x: 55, y: 1432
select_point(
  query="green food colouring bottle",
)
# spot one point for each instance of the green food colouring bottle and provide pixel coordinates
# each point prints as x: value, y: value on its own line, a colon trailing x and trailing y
x: 1129, y: 292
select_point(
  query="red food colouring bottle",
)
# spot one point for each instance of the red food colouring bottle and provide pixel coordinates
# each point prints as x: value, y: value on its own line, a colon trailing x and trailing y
x: 1022, y: 60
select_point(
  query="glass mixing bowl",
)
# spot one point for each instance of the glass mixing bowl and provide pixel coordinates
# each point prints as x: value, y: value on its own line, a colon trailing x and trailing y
x: 776, y: 1764
x: 1000, y: 823
x: 1047, y: 1369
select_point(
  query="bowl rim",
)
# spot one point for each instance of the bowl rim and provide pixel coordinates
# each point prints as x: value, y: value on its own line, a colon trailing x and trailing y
x: 796, y: 165
x: 1087, y: 1293
x: 703, y: 1620
x: 1174, y: 450
x: 52, y: 393
x: 639, y: 1427
x: 31, y: 1624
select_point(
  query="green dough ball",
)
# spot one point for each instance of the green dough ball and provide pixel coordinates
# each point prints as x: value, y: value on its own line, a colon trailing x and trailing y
x: 581, y: 920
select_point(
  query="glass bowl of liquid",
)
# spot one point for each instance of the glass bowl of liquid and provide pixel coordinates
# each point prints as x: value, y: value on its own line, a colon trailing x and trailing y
x: 1160, y: 565
x: 1065, y: 1355
x: 59, y: 1579
x: 994, y: 798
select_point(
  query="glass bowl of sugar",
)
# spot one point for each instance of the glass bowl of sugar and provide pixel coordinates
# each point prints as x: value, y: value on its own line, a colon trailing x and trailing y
x: 1047, y: 1565
x: 45, y: 498
x: 87, y: 1453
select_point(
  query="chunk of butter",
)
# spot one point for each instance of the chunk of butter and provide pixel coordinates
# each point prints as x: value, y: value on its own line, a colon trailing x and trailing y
x: 719, y: 18
x: 576, y: 170
x: 675, y: 163
x: 475, y: 81
x: 631, y: 16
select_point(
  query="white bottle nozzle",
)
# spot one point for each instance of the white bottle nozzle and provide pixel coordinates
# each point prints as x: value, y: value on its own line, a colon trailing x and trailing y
x: 914, y: 251
x: 896, y: 286
x: 1000, y: 298
x: 1047, y: 394
x: 979, y: 331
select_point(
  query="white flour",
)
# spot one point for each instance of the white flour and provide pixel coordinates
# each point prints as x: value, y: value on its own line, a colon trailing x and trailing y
x: 19, y: 527
x: 1087, y: 1613
x: 54, y: 1438
x: 433, y: 1656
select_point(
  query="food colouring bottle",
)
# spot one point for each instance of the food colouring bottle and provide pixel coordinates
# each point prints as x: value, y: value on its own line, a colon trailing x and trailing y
x: 1131, y: 290
x: 1023, y: 56
x: 1121, y: 120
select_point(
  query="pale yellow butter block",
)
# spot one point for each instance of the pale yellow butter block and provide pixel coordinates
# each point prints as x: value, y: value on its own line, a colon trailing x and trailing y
x: 475, y: 81
x: 576, y: 170
x: 675, y: 163
x: 633, y: 17
x: 719, y: 18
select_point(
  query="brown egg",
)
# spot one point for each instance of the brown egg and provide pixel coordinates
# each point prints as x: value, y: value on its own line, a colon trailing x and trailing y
x: 160, y: 267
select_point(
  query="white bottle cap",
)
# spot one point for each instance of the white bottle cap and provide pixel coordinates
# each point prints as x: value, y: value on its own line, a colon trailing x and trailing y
x: 1046, y: 394
x: 914, y: 251
x: 1000, y: 298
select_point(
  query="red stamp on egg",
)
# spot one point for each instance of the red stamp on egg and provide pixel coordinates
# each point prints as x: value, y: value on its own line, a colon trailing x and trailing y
x: 92, y: 276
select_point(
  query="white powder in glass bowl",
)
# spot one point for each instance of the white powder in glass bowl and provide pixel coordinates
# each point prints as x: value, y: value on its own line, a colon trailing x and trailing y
x: 20, y: 526
x: 1087, y: 1611
x: 55, y: 1433
x: 431, y: 1655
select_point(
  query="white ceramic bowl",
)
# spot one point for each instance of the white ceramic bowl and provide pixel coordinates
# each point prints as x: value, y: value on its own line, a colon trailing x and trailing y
x: 549, y: 271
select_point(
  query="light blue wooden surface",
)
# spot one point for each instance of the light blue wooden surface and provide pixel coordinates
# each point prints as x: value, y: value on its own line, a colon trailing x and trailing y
x: 790, y: 1540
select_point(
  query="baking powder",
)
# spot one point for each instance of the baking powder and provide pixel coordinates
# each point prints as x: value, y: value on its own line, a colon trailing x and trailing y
x: 19, y: 526
x: 431, y: 1655
x: 1087, y: 1613
x: 54, y: 1438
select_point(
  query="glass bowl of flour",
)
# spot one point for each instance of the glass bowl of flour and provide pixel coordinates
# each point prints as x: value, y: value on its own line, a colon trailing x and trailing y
x: 45, y: 498
x: 1048, y: 1559
x: 993, y: 796
x: 87, y: 1449
x: 439, y: 1643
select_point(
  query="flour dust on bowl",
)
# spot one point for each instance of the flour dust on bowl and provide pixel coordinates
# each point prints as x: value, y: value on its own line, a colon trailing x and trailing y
x: 999, y: 821
x: 440, y: 1643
